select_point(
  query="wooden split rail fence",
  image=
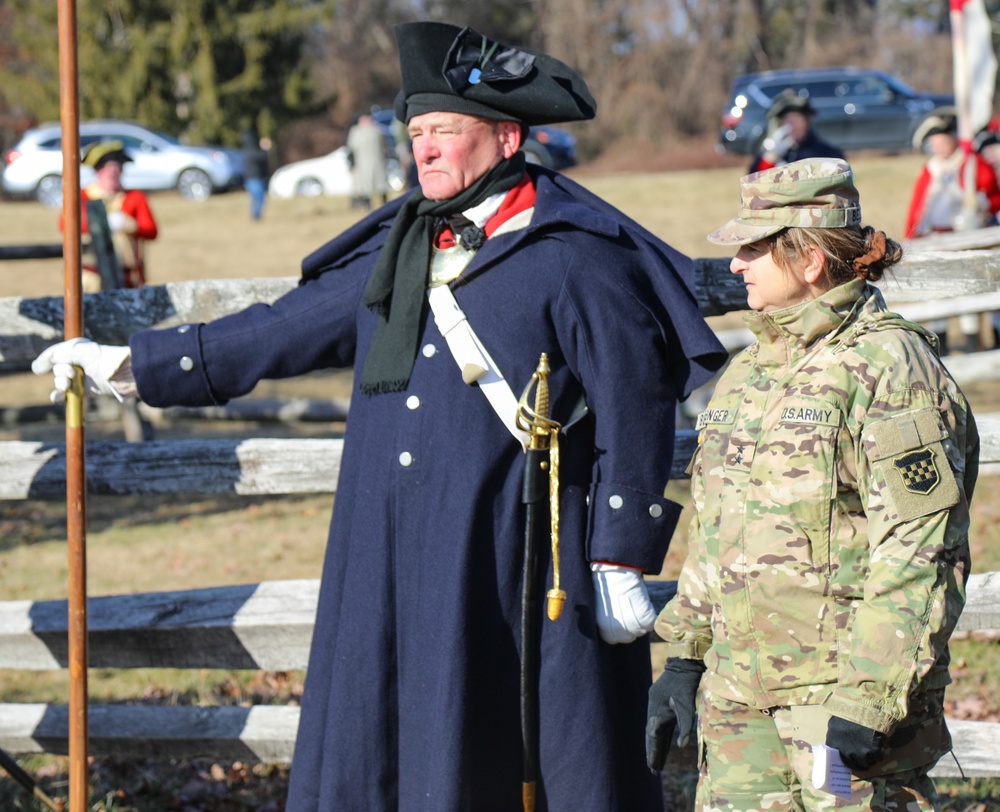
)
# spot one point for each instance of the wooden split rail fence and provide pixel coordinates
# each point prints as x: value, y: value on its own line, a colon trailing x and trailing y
x: 269, y: 625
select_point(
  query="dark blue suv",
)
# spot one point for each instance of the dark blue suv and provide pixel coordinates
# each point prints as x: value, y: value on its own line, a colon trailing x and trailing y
x: 856, y: 108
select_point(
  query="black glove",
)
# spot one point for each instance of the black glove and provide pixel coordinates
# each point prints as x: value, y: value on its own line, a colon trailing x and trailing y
x: 860, y: 747
x: 671, y: 705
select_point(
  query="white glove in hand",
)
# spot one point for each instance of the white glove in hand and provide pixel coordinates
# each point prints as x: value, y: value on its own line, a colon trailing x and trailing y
x: 116, y: 220
x: 98, y: 361
x: 777, y: 144
x: 624, y: 612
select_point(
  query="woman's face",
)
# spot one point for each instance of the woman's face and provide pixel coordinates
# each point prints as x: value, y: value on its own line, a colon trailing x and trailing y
x: 769, y: 286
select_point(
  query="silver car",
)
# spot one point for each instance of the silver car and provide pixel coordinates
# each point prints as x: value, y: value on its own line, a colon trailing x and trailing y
x: 33, y: 168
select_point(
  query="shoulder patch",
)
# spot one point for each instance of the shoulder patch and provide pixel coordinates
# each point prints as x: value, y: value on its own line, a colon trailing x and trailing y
x: 908, y: 452
x: 918, y: 471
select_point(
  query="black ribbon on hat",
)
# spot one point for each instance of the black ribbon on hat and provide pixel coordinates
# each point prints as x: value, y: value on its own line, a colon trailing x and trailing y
x: 473, y: 58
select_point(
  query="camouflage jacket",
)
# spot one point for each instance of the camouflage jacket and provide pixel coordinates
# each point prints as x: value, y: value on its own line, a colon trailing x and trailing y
x: 829, y: 550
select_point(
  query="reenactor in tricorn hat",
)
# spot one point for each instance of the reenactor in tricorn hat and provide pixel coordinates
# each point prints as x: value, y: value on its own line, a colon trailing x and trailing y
x: 829, y: 550
x: 939, y: 202
x: 443, y: 301
x: 130, y: 217
x: 943, y: 201
x: 791, y: 136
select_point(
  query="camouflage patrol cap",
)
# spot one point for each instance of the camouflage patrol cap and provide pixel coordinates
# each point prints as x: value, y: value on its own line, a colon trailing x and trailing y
x: 811, y: 193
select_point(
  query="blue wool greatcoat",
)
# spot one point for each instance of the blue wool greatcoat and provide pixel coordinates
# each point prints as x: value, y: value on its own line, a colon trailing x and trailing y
x: 411, y: 698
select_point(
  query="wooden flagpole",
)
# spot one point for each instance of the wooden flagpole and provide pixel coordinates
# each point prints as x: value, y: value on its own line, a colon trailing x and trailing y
x: 76, y: 478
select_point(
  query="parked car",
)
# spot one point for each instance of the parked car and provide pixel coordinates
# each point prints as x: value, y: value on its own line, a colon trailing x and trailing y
x: 326, y: 175
x: 549, y: 146
x: 329, y: 174
x: 33, y: 168
x: 856, y: 108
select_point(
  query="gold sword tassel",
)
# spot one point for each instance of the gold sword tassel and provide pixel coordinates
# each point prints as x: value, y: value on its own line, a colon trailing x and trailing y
x: 556, y: 596
x: 544, y: 433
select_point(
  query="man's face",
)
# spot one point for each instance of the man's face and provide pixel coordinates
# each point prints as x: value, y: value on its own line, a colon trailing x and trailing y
x: 942, y: 145
x: 109, y: 176
x: 454, y: 150
x: 797, y: 123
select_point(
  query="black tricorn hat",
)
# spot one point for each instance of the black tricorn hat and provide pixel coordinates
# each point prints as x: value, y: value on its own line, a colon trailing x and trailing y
x: 940, y: 120
x: 788, y: 101
x: 100, y: 152
x: 448, y: 69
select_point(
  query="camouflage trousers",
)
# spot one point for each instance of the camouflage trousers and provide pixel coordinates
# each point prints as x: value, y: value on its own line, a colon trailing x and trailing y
x: 751, y: 760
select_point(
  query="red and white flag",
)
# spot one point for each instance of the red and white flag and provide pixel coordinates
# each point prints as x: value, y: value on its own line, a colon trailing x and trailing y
x: 975, y: 65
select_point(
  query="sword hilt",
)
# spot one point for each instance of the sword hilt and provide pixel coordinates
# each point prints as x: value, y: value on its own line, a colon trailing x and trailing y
x: 535, y: 420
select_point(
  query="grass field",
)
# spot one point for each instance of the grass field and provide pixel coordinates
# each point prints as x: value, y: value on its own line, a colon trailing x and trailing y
x: 141, y: 544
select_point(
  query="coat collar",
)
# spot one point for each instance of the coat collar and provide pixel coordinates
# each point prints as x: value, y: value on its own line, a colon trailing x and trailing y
x: 560, y: 203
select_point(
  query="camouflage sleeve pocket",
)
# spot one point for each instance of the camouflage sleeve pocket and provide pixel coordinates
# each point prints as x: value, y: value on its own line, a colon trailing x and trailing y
x: 910, y: 463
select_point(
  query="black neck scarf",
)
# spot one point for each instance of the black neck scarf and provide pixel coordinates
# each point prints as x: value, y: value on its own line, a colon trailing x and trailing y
x: 396, y: 290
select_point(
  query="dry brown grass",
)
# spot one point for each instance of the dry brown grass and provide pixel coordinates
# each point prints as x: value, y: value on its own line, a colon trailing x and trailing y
x: 216, y: 239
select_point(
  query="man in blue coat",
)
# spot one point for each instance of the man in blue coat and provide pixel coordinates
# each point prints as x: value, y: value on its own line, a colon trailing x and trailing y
x: 412, y: 693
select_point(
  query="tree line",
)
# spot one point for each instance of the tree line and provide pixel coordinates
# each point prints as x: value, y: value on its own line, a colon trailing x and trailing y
x: 299, y: 71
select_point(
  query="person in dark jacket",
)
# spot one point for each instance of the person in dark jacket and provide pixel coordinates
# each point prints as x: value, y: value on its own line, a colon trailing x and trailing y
x: 412, y: 694
x: 256, y: 171
x: 792, y: 137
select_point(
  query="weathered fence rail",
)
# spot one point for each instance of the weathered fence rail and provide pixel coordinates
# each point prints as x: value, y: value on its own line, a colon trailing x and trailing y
x: 261, y: 626
x: 269, y: 625
x: 47, y: 251
x: 31, y: 470
x: 27, y: 326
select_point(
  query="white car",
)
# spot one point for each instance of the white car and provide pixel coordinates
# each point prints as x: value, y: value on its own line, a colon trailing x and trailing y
x: 326, y: 175
x: 33, y: 168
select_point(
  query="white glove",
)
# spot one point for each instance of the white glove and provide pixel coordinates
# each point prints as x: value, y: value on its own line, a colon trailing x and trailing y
x: 116, y: 220
x: 624, y: 611
x: 777, y: 144
x: 98, y: 361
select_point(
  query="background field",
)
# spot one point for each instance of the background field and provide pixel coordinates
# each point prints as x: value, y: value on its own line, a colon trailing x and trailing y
x: 143, y: 544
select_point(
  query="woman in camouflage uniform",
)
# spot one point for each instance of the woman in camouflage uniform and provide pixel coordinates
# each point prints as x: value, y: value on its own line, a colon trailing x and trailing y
x: 829, y: 552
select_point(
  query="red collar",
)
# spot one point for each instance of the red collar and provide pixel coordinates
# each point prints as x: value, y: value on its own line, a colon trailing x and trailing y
x: 519, y: 199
